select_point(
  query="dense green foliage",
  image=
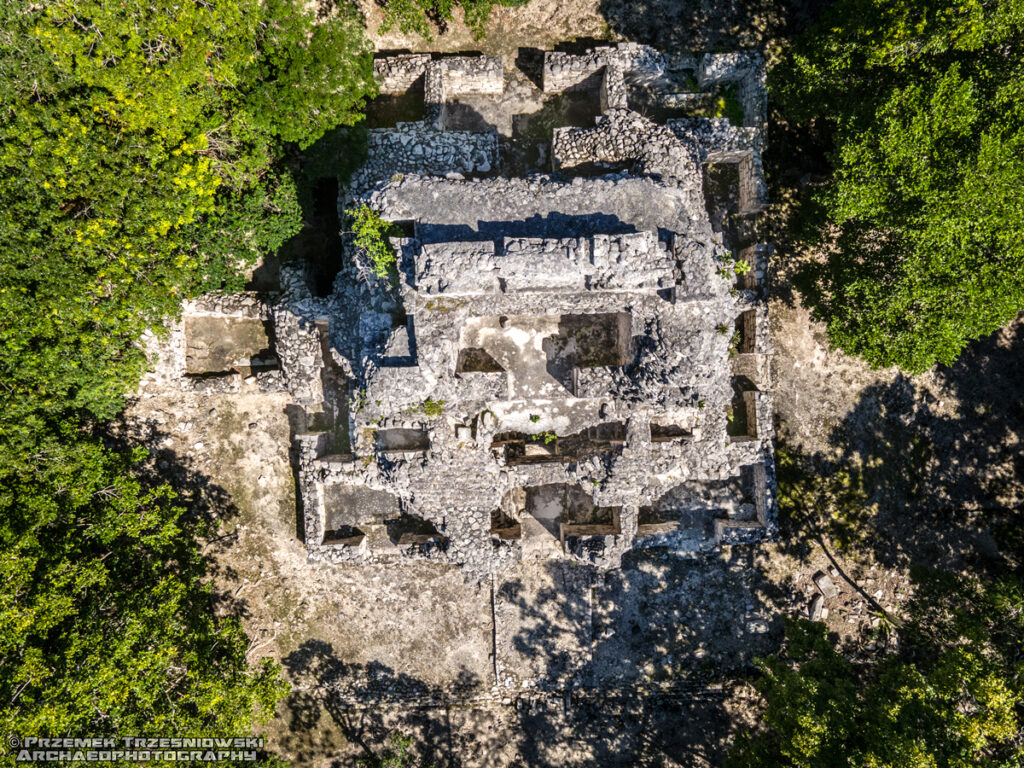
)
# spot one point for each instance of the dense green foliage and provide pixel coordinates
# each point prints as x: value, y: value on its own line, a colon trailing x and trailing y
x: 416, y: 15
x: 371, y: 233
x: 950, y: 697
x: 140, y: 162
x: 138, y: 166
x: 924, y: 213
x: 105, y: 623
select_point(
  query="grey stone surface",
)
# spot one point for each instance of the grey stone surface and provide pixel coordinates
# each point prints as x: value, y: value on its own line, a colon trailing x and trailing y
x: 815, y: 609
x: 824, y: 583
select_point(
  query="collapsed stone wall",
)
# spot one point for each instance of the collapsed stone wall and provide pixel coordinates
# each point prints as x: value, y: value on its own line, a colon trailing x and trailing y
x: 421, y: 148
x: 397, y: 74
x: 569, y: 72
x: 623, y: 136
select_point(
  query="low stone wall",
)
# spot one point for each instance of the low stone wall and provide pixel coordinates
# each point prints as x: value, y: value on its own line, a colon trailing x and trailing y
x: 443, y: 79
x: 397, y: 74
x: 747, y: 71
x: 573, y: 72
x: 301, y: 356
x: 168, y: 353
x: 716, y: 140
x: 471, y: 74
x: 613, y: 89
x: 421, y: 148
x: 624, y: 136
x: 568, y: 72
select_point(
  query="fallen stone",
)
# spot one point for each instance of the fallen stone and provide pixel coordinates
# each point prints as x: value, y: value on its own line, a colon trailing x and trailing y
x: 815, y: 608
x: 825, y: 584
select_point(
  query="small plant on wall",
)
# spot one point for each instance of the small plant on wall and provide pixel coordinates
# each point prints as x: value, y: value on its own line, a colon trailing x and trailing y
x: 371, y: 232
x: 432, y: 408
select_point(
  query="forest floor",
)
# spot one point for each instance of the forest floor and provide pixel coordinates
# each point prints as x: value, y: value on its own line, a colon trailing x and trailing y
x: 925, y: 460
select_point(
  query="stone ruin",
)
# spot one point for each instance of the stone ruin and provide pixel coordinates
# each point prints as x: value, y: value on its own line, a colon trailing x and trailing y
x: 570, y: 362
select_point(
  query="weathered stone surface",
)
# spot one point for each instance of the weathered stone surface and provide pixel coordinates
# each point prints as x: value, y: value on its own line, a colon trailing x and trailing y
x: 824, y: 583
x: 816, y: 608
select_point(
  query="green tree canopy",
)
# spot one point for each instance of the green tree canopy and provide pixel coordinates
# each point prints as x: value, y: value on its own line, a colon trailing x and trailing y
x: 141, y: 147
x: 924, y: 215
x: 949, y: 698
x: 106, y: 623
x: 416, y: 15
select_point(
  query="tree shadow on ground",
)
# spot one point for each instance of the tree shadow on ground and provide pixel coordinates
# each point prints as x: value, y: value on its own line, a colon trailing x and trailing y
x: 207, y: 505
x: 635, y: 666
x: 923, y: 474
x: 364, y: 704
x: 700, y: 25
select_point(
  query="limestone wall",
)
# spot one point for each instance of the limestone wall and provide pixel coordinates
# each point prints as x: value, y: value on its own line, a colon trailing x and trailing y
x: 634, y: 261
x: 623, y: 136
x: 573, y: 72
x: 397, y: 74
x: 169, y: 351
x: 748, y: 72
x: 717, y: 141
x: 422, y: 148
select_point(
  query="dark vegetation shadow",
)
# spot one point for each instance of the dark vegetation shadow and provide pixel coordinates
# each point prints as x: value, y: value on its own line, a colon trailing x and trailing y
x: 638, y: 663
x: 207, y: 507
x: 920, y: 478
x: 318, y: 172
x: 353, y: 699
x: 695, y: 25
x: 549, y: 225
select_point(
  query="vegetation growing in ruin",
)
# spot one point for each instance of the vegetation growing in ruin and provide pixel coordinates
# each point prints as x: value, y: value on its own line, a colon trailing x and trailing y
x: 922, y: 218
x: 371, y: 233
x: 141, y: 163
x: 416, y: 15
x: 395, y: 754
x: 432, y: 408
x: 728, y: 105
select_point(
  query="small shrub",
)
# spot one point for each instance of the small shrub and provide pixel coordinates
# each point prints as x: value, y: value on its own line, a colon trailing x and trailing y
x: 728, y: 105
x: 371, y: 238
x: 416, y: 15
x: 734, y: 345
x: 432, y: 408
x: 534, y: 418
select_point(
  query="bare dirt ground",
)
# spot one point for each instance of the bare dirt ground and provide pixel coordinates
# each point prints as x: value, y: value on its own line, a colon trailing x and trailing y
x: 540, y: 24
x: 660, y: 650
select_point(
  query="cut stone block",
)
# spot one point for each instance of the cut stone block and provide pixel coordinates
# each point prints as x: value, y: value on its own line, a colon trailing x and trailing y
x: 825, y: 584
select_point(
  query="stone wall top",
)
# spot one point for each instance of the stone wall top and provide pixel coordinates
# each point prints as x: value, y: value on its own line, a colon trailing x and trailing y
x: 626, y: 262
